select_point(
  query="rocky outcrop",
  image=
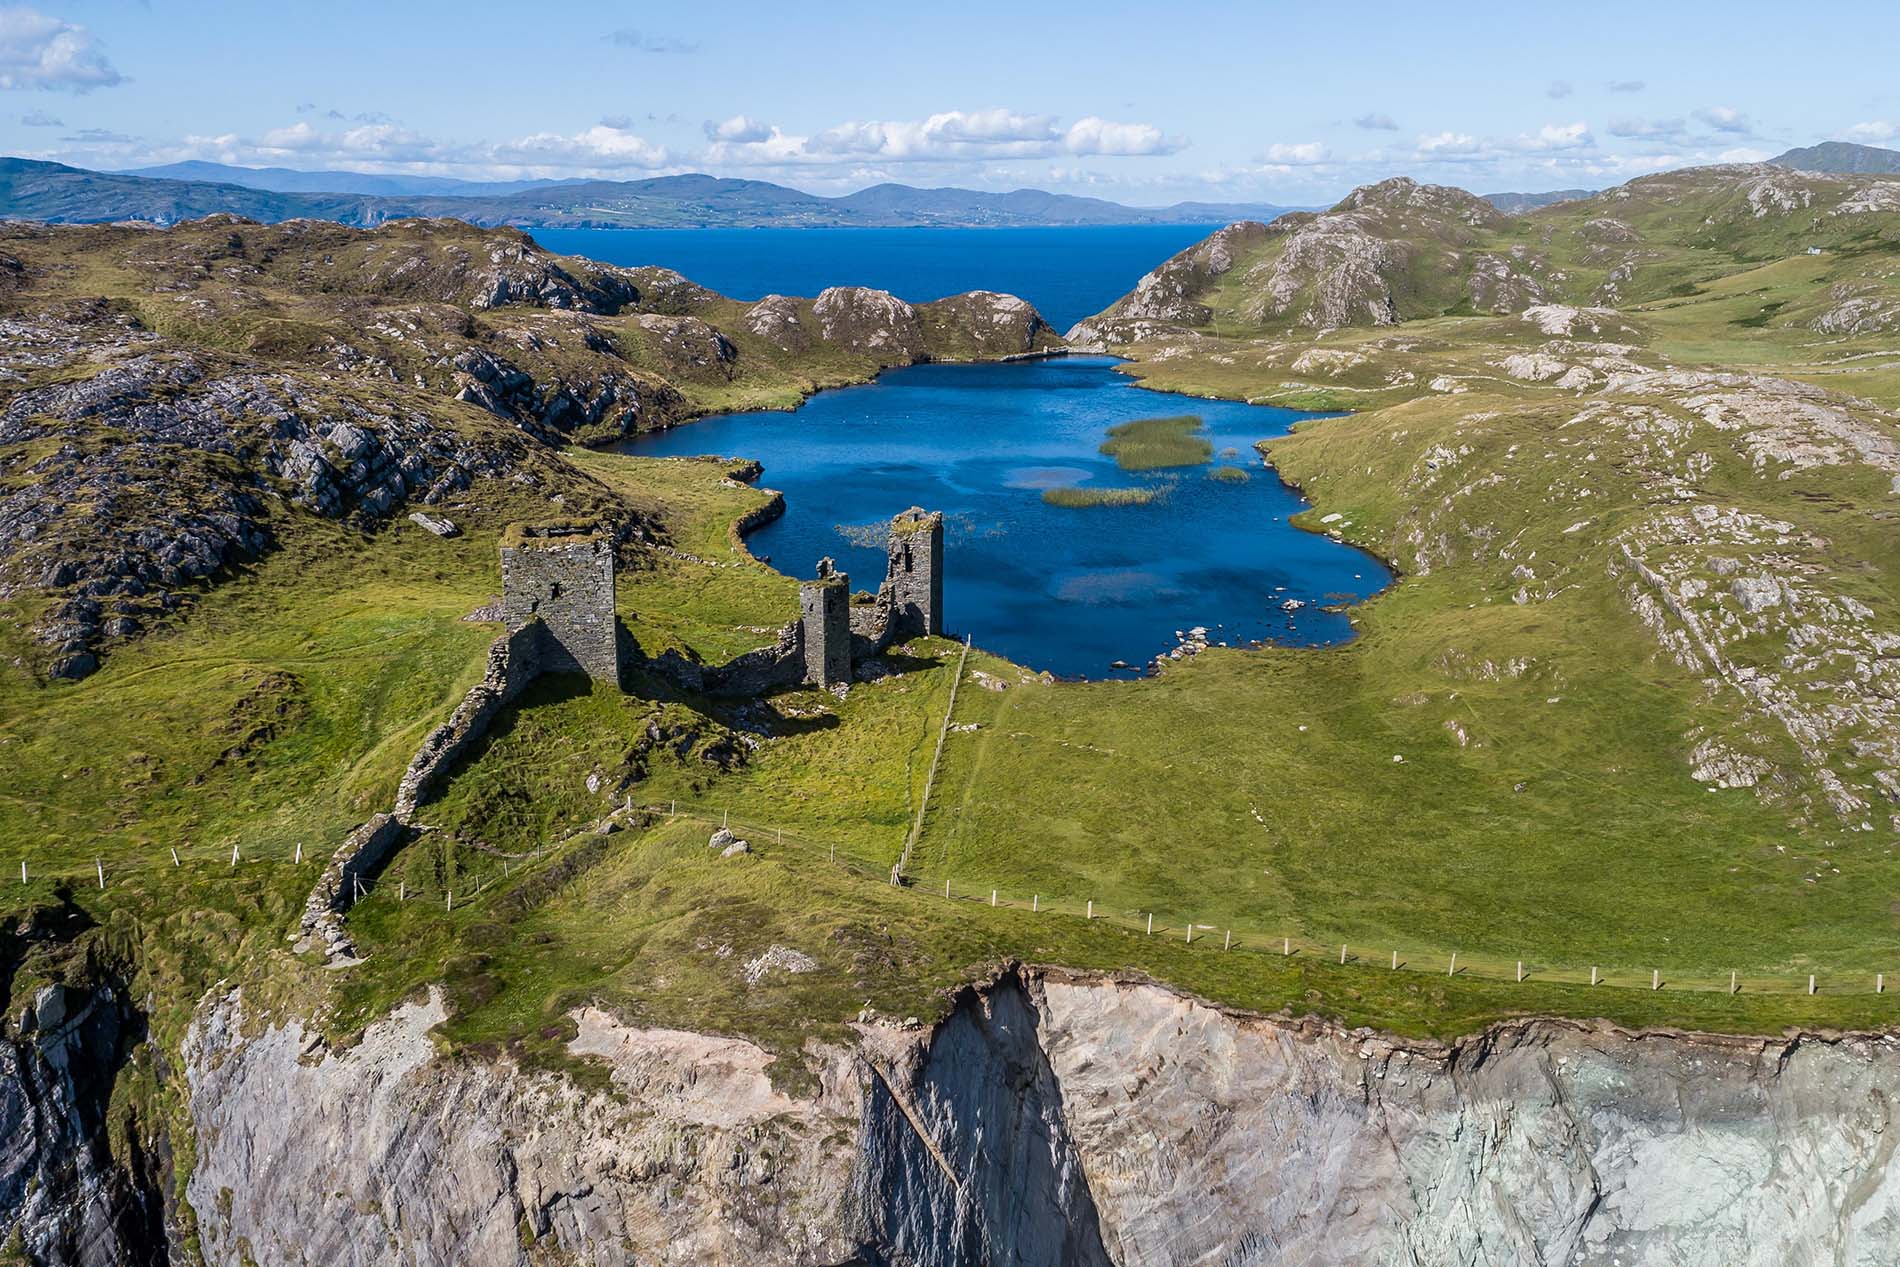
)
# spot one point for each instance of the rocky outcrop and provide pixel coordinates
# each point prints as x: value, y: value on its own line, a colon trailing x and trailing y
x: 984, y: 325
x: 1386, y: 252
x: 1170, y: 294
x: 1859, y: 308
x: 1050, y: 1119
x: 153, y: 470
x: 779, y: 320
x: 447, y: 261
x: 870, y: 322
x: 65, y: 1198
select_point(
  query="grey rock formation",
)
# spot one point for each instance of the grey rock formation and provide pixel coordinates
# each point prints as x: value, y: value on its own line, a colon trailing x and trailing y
x: 64, y: 1198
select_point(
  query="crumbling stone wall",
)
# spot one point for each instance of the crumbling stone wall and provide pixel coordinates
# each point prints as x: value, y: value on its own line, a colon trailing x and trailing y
x: 824, y: 621
x: 513, y: 662
x: 362, y: 854
x: 563, y: 576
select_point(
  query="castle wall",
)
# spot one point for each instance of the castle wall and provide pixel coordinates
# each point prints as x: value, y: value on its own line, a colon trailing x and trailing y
x: 915, y: 573
x: 566, y: 580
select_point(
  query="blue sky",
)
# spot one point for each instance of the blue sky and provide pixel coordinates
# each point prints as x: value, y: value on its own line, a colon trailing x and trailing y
x: 1145, y: 103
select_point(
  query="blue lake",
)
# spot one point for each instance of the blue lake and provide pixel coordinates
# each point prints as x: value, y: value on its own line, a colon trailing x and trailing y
x: 1064, y: 589
x: 1067, y: 273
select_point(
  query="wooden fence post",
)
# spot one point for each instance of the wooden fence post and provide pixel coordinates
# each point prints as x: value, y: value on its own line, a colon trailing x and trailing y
x: 1520, y: 972
x: 1731, y: 981
x: 992, y: 897
x: 1286, y: 947
x: 1655, y: 978
x: 1035, y: 902
x: 449, y: 902
x: 102, y: 872
x: 1452, y: 971
x: 174, y: 855
x: 1395, y: 961
x: 1342, y: 953
x: 1091, y: 912
x: 1151, y: 923
x: 234, y: 855
x: 298, y: 859
x: 1190, y: 932
x: 1593, y: 976
x: 1229, y: 943
x: 1810, y: 983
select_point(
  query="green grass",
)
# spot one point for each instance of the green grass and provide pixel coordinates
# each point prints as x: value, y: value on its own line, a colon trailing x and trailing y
x: 1229, y: 474
x: 1151, y: 444
x: 1084, y: 497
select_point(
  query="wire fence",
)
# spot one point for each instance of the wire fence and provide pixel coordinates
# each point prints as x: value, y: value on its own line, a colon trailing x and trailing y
x: 462, y: 882
x: 1220, y: 937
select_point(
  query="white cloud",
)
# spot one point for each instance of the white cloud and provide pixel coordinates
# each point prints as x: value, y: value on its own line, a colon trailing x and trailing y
x: 1449, y: 143
x: 40, y: 119
x: 596, y: 148
x: 1558, y: 136
x: 1376, y: 122
x: 1302, y: 154
x: 1745, y: 154
x: 949, y: 136
x: 377, y: 142
x: 1099, y: 136
x: 1628, y: 85
x: 740, y: 129
x: 628, y: 37
x: 1725, y: 119
x: 39, y: 51
x: 1867, y: 133
x: 1559, y: 89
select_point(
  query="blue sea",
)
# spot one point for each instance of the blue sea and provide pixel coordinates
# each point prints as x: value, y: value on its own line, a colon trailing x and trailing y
x: 1070, y: 590
x: 1067, y: 273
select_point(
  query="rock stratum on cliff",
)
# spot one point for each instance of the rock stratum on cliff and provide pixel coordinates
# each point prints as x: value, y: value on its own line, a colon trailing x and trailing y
x: 1050, y: 1119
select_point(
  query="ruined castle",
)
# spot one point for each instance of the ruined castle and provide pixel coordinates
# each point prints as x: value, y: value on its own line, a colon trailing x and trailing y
x: 563, y: 576
x: 837, y: 631
x: 558, y: 580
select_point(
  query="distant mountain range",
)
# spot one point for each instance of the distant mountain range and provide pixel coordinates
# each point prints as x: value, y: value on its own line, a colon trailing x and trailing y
x: 1518, y: 204
x: 31, y: 190
x: 54, y: 192
x: 1841, y: 157
x: 288, y: 180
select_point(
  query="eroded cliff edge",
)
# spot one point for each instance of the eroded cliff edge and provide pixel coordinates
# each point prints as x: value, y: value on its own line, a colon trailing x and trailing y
x: 1055, y: 1119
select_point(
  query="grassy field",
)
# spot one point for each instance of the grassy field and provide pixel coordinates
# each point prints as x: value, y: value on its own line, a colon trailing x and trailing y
x: 1239, y: 819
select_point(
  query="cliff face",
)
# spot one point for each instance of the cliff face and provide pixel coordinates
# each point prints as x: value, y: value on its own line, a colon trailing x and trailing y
x: 1049, y: 1120
x: 64, y: 1197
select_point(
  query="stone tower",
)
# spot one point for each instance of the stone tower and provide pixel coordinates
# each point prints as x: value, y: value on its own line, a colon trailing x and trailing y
x: 824, y: 620
x: 563, y: 575
x: 915, y: 573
